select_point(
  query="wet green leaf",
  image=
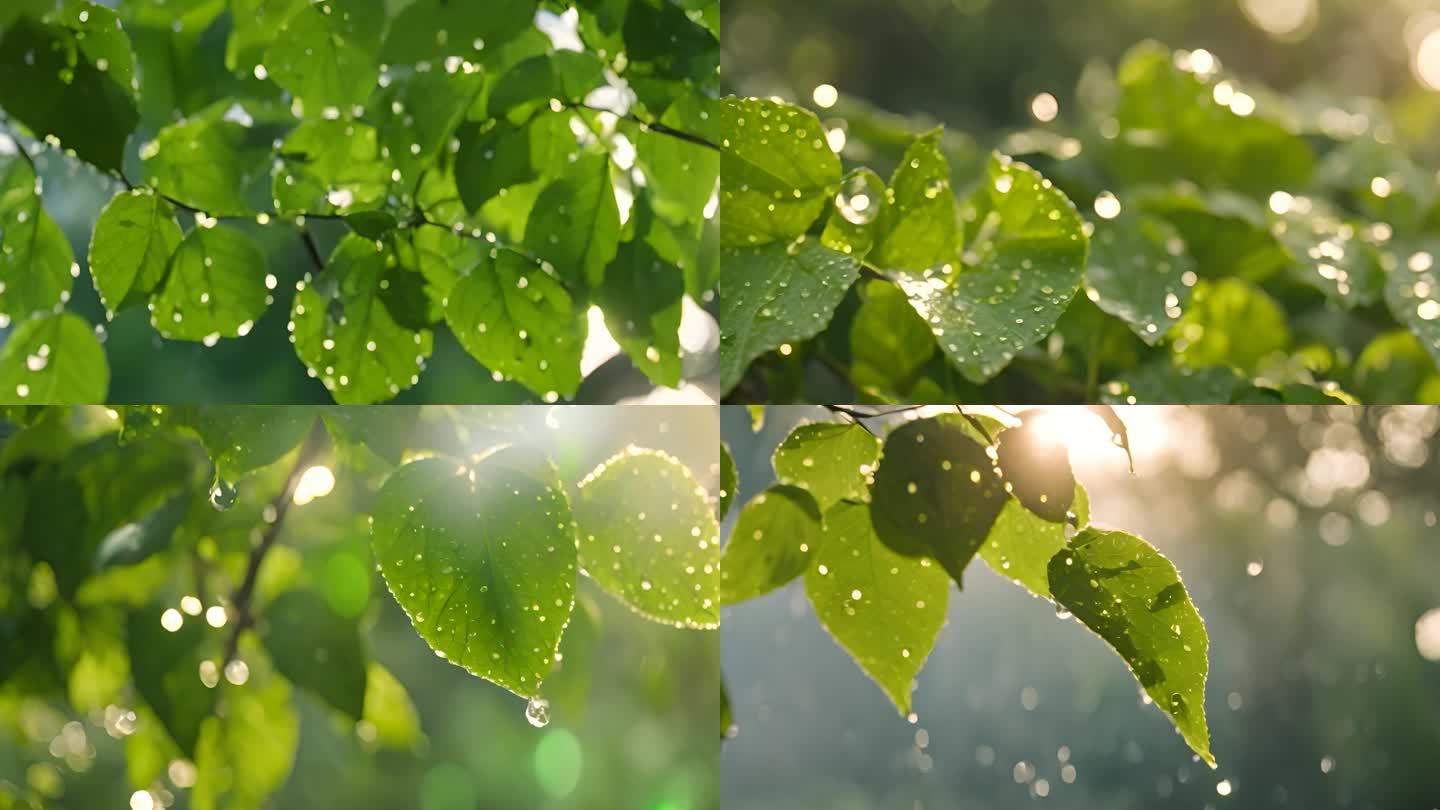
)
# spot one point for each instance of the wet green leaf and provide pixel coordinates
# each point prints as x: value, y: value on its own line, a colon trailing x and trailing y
x: 130, y: 250
x: 1231, y: 323
x: 54, y: 360
x: 1131, y: 596
x: 882, y: 608
x: 917, y: 228
x: 36, y: 268
x: 575, y: 224
x: 774, y: 295
x: 641, y: 297
x: 729, y: 480
x: 329, y: 167
x: 165, y: 667
x: 324, y: 54
x: 217, y: 286
x: 1021, y: 543
x: 774, y: 538
x: 1138, y: 273
x: 649, y: 537
x: 347, y: 337
x: 777, y: 172
x: 1037, y: 468
x: 1412, y: 292
x: 1025, y: 250
x: 936, y: 493
x: 832, y: 461
x: 482, y: 558
x: 138, y: 540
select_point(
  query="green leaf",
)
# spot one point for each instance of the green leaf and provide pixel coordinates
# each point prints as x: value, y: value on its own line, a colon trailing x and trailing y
x: 492, y: 160
x: 777, y: 171
x: 680, y: 177
x: 1231, y: 323
x: 566, y: 75
x: 917, y: 227
x: 432, y: 29
x: 242, y: 439
x: 216, y: 286
x: 936, y: 493
x: 575, y: 224
x: 1025, y: 250
x: 316, y: 649
x: 1138, y: 273
x: 1412, y: 292
x: 771, y: 545
x: 1162, y: 383
x: 324, y: 54
x: 884, y: 609
x: 518, y: 320
x: 1021, y: 543
x: 660, y: 38
x: 347, y: 337
x: 1131, y: 596
x: 138, y: 540
x: 204, y: 162
x: 165, y: 667
x: 1332, y: 255
x: 1037, y: 468
x: 777, y: 294
x: 729, y: 480
x: 889, y: 342
x: 329, y: 167
x: 425, y: 107
x: 483, y: 560
x: 246, y: 752
x: 649, y: 537
x: 642, y: 297
x: 389, y: 711
x: 52, y: 81
x: 37, y: 267
x: 830, y: 460
x: 55, y: 360
x: 254, y: 25
x: 130, y: 251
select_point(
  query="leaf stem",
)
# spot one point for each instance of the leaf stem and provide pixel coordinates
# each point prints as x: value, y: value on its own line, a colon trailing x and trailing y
x: 239, y: 608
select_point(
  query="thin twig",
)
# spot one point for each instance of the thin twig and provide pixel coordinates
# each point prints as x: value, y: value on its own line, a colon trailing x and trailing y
x: 239, y: 607
x: 311, y: 247
x: 975, y: 423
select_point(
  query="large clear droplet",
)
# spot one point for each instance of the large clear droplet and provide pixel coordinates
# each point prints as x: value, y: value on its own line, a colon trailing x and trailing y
x: 859, y: 199
x: 537, y: 711
x: 223, y: 494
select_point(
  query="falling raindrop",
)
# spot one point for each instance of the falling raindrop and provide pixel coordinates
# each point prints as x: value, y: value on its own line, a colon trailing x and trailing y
x: 537, y: 711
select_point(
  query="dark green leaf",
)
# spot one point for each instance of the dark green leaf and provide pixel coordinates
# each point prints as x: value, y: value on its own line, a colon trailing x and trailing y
x: 432, y: 29
x: 37, y: 267
x: 324, y: 54
x: 136, y: 541
x: 483, y: 560
x: 936, y: 493
x: 165, y: 667
x: 1139, y: 272
x: 329, y: 167
x: 255, y: 24
x: 729, y: 480
x: 205, y: 162
x: 242, y: 439
x: 1037, y: 468
x: 52, y: 80
x: 917, y: 228
x: 568, y: 76
x: 1131, y: 596
x: 641, y: 297
x: 316, y: 649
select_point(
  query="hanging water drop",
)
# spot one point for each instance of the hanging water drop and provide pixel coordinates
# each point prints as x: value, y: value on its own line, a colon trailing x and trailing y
x: 859, y: 199
x: 537, y: 711
x: 222, y: 494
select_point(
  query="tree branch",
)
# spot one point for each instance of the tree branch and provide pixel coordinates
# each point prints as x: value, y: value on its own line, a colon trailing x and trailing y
x: 242, y: 616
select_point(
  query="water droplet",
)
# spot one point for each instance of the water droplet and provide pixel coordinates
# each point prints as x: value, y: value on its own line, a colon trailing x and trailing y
x: 223, y: 494
x: 859, y: 199
x: 537, y: 711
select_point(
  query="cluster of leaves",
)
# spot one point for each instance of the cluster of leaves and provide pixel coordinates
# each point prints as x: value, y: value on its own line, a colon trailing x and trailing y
x: 1230, y: 245
x: 141, y: 580
x: 878, y: 528
x: 472, y: 170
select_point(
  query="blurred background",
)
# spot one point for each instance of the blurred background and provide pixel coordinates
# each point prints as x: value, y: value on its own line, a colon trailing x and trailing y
x: 1308, y: 539
x: 262, y: 367
x: 982, y: 65
x: 633, y: 705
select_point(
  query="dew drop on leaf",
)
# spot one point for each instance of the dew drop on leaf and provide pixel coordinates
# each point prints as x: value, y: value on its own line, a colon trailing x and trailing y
x: 859, y: 199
